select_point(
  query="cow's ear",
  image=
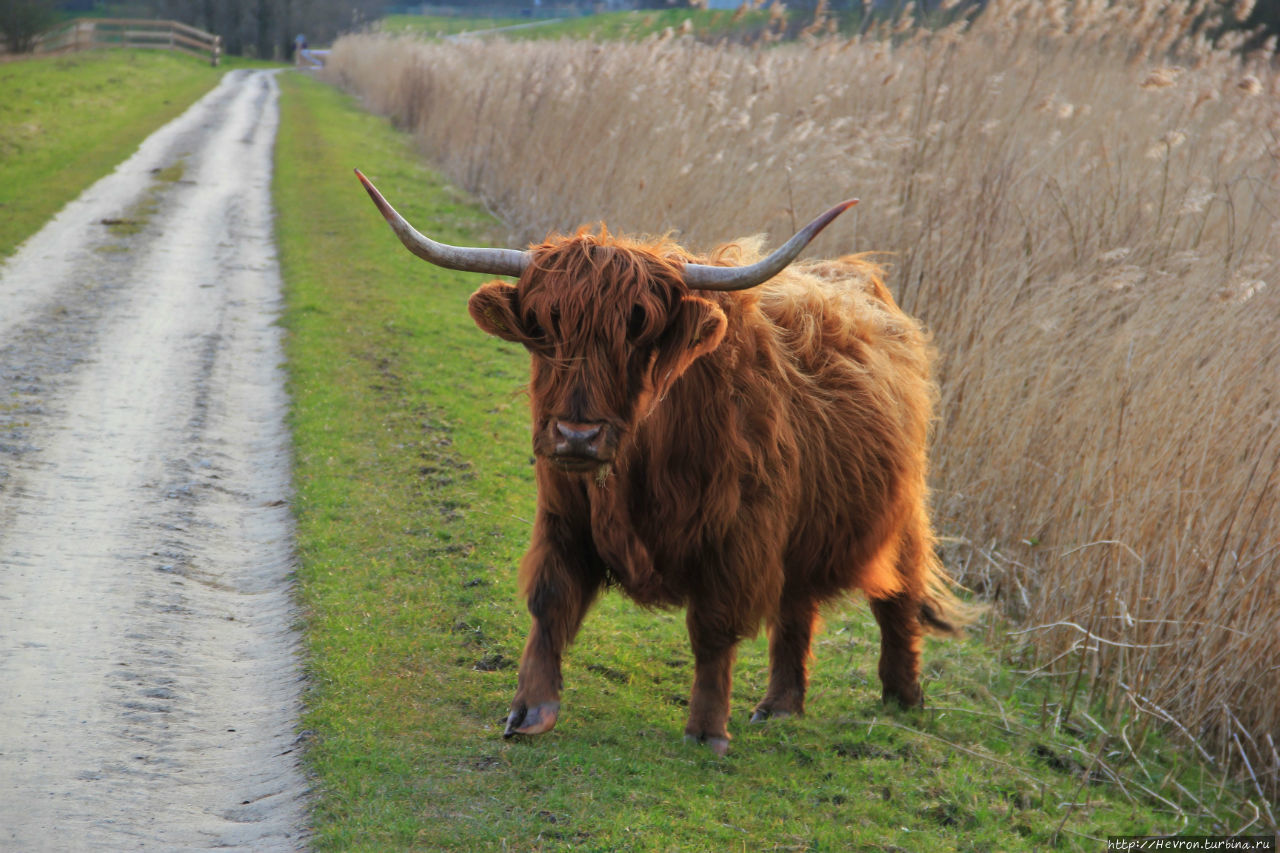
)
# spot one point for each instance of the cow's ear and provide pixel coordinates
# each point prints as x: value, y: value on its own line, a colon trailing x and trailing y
x: 697, y: 328
x: 493, y: 307
x: 706, y: 324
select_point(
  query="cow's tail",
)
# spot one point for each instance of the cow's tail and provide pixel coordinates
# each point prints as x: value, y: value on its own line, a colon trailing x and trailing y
x: 942, y: 611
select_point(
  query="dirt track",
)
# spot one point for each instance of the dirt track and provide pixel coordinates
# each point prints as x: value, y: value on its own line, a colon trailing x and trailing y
x: 149, y: 685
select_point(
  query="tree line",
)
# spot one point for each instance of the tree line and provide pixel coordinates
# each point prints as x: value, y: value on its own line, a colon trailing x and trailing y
x: 262, y: 28
x: 269, y: 28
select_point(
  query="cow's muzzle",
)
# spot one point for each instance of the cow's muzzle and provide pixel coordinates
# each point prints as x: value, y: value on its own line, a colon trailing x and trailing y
x: 579, y: 446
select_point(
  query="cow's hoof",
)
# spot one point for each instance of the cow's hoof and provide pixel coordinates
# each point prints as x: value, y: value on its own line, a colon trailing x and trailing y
x: 524, y: 720
x: 907, y: 698
x: 718, y: 745
x: 764, y: 714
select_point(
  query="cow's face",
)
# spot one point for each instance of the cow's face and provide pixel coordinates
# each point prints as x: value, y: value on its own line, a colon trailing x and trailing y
x: 610, y: 328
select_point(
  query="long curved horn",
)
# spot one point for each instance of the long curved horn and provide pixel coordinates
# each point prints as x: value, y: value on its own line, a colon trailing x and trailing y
x: 706, y: 277
x: 492, y: 261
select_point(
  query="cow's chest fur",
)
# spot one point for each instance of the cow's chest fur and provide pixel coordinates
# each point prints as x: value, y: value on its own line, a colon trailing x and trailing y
x: 668, y: 519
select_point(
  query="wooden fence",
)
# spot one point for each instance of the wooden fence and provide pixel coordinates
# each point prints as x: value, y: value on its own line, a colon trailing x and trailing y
x: 86, y: 33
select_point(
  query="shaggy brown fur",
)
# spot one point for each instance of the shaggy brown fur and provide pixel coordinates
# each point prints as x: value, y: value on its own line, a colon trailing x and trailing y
x: 746, y: 455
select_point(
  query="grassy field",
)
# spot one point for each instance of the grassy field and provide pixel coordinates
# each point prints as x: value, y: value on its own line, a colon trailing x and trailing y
x: 67, y: 121
x: 413, y: 506
x: 765, y: 24
x: 443, y: 25
x: 705, y: 24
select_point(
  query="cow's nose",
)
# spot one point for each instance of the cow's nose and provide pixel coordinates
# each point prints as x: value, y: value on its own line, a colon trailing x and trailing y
x: 577, y: 438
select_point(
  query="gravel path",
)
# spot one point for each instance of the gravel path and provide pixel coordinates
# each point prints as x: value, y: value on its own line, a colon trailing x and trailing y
x: 149, y: 680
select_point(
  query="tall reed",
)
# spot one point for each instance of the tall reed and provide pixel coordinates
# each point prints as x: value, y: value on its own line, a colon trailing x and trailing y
x: 1081, y: 199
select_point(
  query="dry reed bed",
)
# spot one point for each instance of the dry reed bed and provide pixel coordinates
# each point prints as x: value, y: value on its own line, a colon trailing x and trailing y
x: 1082, y: 203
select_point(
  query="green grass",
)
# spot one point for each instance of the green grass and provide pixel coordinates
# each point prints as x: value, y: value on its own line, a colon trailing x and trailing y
x: 67, y: 121
x: 444, y: 25
x: 707, y: 25
x: 414, y: 494
x: 604, y: 26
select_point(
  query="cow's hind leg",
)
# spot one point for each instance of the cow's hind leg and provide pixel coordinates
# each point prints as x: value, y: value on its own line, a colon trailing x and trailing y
x: 900, y: 633
x: 790, y: 635
x: 899, y: 616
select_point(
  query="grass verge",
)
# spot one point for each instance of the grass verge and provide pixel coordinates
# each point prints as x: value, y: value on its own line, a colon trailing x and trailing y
x: 705, y: 24
x: 414, y: 494
x: 67, y: 121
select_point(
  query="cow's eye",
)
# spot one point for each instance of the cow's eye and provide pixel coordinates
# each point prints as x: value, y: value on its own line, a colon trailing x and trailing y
x: 636, y: 323
x: 535, y: 330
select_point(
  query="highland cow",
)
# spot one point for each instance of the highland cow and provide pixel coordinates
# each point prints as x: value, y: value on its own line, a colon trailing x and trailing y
x: 740, y: 437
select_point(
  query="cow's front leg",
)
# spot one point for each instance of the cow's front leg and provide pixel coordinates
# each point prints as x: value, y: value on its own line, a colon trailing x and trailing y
x: 560, y: 584
x: 536, y: 705
x: 714, y: 650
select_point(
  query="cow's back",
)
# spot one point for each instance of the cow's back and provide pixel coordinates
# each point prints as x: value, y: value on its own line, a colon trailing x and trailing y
x: 858, y: 375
